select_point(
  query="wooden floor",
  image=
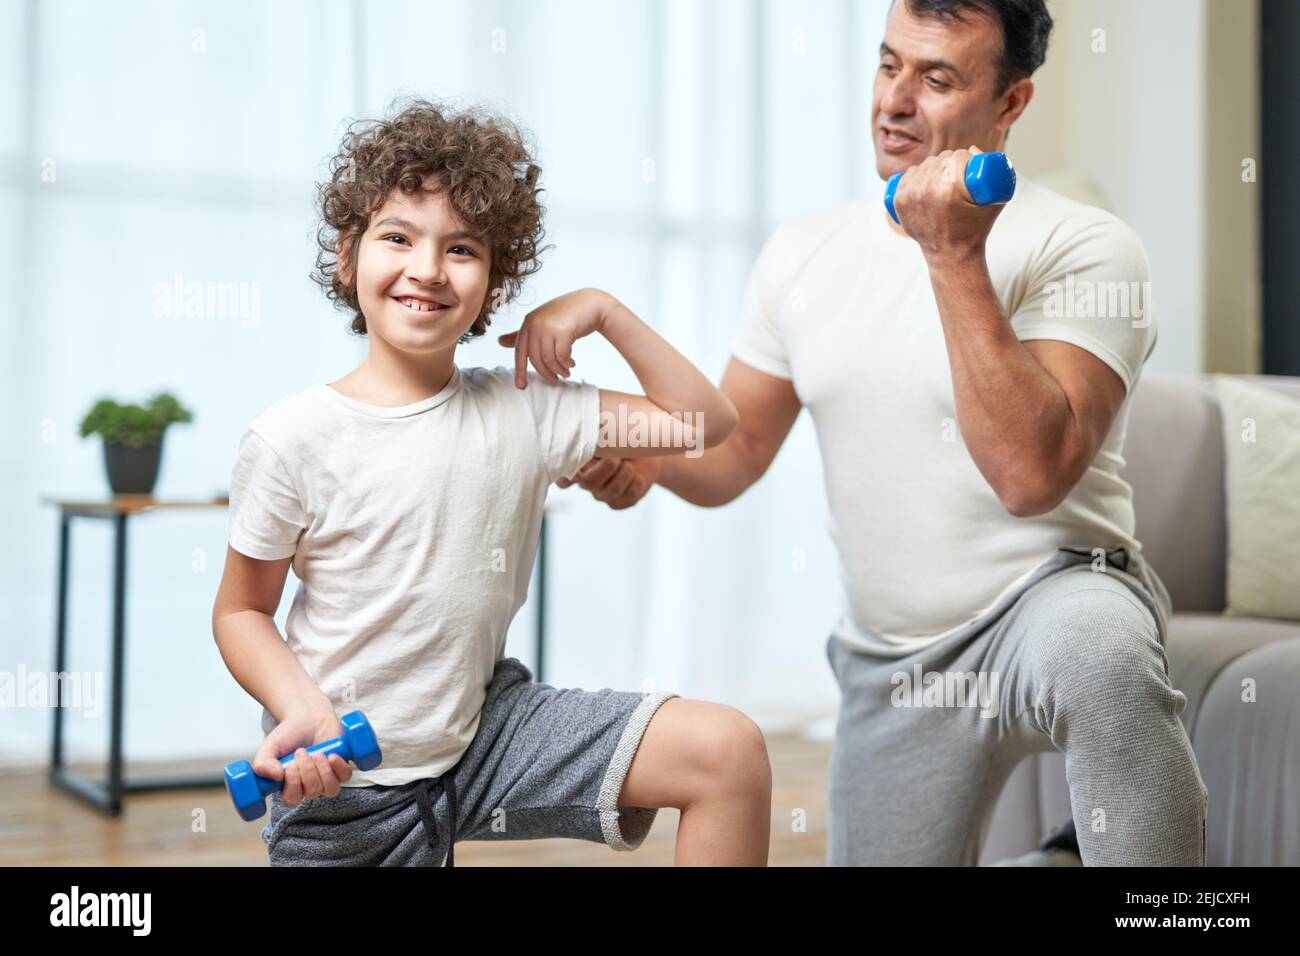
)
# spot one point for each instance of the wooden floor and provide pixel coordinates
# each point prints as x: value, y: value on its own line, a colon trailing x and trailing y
x: 43, y: 826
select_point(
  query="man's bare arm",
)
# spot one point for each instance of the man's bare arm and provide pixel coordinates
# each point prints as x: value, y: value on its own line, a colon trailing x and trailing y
x: 1032, y: 414
x: 767, y: 406
x: 1094, y: 393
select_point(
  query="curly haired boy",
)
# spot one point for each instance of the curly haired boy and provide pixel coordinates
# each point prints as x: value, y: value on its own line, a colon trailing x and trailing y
x: 408, y: 497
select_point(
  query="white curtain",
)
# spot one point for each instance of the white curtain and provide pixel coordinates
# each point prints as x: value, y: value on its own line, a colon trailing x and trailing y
x: 146, y: 141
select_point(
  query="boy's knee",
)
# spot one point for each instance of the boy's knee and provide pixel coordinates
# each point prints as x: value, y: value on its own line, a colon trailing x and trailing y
x: 737, y: 752
x: 714, y: 750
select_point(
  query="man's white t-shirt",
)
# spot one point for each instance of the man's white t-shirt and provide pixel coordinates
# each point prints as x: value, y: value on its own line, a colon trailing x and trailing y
x: 842, y: 305
x: 412, y: 531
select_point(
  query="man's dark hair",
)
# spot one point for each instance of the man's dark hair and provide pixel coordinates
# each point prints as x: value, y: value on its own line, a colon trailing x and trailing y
x: 1026, y: 26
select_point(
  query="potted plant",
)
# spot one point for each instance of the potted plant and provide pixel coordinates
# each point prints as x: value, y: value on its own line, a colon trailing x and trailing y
x: 133, y: 437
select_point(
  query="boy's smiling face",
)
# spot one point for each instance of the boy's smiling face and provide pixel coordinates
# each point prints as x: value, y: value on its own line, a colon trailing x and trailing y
x: 417, y: 248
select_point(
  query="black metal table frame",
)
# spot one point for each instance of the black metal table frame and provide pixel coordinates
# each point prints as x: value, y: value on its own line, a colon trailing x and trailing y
x: 107, y: 797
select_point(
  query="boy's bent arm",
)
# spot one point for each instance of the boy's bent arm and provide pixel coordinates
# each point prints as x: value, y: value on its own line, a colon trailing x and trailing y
x: 679, y: 399
x: 243, y: 625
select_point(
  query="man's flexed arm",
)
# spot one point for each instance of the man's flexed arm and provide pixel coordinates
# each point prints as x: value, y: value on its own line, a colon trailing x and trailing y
x: 768, y: 407
x: 1032, y: 414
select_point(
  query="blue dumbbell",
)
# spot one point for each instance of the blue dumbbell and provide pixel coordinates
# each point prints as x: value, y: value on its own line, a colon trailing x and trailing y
x: 990, y: 177
x: 357, y: 744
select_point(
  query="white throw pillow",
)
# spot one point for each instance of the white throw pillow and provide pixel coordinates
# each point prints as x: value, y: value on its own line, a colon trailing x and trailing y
x: 1261, y: 446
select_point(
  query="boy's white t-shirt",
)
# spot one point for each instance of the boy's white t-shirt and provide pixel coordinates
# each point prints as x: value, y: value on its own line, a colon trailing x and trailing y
x: 842, y: 305
x: 413, y: 531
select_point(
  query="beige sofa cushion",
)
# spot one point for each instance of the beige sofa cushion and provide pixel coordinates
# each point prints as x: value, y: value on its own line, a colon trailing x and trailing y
x: 1261, y: 441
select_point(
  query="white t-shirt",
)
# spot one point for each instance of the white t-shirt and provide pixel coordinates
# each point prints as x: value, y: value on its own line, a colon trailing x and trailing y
x: 842, y: 305
x: 413, y: 531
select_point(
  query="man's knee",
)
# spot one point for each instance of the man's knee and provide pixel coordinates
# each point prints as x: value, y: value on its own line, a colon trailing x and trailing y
x: 1096, y: 651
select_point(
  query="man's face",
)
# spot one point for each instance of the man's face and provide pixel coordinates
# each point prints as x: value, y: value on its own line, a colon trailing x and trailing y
x: 935, y: 88
x: 417, y: 247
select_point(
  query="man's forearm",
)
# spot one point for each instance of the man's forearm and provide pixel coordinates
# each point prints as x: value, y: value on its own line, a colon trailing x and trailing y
x: 1014, y: 417
x: 263, y: 664
x: 717, y: 477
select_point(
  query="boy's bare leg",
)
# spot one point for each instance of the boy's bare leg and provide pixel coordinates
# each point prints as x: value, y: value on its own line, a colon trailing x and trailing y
x: 710, y: 762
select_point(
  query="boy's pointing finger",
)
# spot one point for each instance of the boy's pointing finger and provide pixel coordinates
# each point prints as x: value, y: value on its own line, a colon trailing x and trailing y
x: 521, y: 360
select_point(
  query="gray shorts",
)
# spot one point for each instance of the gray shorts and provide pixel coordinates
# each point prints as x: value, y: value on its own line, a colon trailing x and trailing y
x: 545, y: 762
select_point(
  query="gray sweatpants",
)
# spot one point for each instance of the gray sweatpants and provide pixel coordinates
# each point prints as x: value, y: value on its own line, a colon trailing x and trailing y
x: 1073, y: 660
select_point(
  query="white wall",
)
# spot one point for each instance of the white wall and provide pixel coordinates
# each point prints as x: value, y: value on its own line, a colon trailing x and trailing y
x: 1132, y: 118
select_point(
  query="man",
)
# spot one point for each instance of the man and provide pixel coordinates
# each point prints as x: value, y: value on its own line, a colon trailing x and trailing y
x: 968, y: 374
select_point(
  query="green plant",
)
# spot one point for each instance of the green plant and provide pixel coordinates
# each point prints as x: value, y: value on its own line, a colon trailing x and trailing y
x: 134, y: 425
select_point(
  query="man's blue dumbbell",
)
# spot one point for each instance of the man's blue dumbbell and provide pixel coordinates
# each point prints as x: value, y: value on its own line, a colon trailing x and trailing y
x: 990, y: 177
x: 357, y: 744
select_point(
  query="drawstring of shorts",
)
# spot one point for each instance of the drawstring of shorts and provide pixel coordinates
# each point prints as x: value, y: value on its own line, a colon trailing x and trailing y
x: 424, y: 801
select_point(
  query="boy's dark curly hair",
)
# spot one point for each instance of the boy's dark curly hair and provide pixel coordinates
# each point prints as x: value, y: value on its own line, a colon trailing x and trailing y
x: 480, y: 161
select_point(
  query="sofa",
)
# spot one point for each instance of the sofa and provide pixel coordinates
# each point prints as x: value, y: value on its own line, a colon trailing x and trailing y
x: 1249, y: 753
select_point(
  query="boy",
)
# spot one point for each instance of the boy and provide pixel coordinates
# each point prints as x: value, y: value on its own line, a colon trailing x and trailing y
x: 408, y: 496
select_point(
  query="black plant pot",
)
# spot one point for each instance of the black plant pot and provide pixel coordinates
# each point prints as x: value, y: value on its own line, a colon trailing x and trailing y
x: 132, y: 471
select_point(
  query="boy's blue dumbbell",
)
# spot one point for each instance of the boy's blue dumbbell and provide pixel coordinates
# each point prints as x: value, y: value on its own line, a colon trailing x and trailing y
x: 357, y: 744
x: 990, y: 177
